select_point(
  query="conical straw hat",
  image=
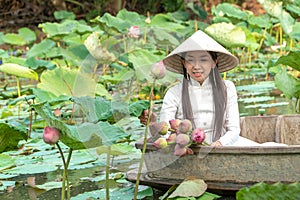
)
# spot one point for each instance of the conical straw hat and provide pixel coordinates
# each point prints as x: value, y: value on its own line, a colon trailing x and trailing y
x: 200, y: 41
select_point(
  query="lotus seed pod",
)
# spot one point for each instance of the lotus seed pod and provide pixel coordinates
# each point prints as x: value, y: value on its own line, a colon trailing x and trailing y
x: 174, y: 124
x: 51, y: 135
x: 158, y: 70
x: 198, y: 135
x: 182, y: 139
x: 160, y: 143
x: 185, y: 126
x: 179, y: 151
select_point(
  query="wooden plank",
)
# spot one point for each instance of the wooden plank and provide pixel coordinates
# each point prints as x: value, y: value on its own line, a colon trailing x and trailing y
x: 288, y: 129
x: 259, y: 128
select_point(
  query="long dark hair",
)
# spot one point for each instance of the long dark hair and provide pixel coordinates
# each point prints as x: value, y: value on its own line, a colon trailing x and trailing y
x: 219, y: 97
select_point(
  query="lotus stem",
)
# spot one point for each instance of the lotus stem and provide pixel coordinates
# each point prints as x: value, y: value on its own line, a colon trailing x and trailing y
x: 107, y: 168
x: 144, y: 143
x: 65, y: 173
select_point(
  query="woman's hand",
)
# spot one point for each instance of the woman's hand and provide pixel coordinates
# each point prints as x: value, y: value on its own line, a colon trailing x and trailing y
x: 216, y: 144
x: 144, y: 117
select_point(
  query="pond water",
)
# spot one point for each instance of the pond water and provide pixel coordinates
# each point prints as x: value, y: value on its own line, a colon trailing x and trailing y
x: 88, y: 175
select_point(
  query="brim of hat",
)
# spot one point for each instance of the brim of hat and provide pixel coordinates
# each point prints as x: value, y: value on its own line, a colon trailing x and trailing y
x: 226, y: 62
x: 200, y: 41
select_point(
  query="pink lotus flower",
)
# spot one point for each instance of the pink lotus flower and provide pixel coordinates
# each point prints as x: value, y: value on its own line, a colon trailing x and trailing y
x: 51, y: 135
x: 198, y: 135
x: 158, y: 70
x: 134, y: 31
x: 57, y: 112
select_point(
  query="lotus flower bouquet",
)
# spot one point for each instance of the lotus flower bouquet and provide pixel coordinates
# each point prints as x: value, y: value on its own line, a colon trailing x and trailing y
x: 182, y: 135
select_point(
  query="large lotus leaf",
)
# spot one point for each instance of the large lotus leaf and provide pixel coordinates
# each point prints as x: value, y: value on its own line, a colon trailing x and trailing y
x: 63, y: 81
x: 273, y: 8
x: 226, y: 9
x: 13, y: 39
x: 287, y: 22
x: 76, y: 55
x: 35, y: 64
x: 59, y: 29
x: 197, y: 10
x: 113, y: 25
x: 164, y: 36
x: 228, y: 35
x: 116, y: 193
x: 82, y: 136
x: 132, y: 17
x: 262, y: 21
x: 28, y: 35
x: 292, y: 60
x: 19, y: 71
x: 270, y: 191
x: 289, y: 85
x: 42, y: 48
x: 63, y: 14
x: 190, y: 188
x: 164, y: 21
x: 296, y: 31
x: 142, y: 61
x: 294, y: 9
x: 6, y: 162
x: 10, y: 135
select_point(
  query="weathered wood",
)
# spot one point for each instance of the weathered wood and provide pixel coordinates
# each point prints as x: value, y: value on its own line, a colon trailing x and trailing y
x: 259, y: 128
x: 288, y: 129
x: 229, y: 167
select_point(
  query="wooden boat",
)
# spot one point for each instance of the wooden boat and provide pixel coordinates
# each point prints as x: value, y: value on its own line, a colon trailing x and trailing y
x: 231, y: 167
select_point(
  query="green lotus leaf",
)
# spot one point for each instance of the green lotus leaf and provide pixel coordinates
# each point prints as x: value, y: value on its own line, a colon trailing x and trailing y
x: 6, y: 162
x: 19, y: 71
x: 228, y: 35
x: 289, y: 85
x: 27, y: 34
x: 42, y: 48
x: 10, y: 135
x: 14, y: 39
x: 292, y: 60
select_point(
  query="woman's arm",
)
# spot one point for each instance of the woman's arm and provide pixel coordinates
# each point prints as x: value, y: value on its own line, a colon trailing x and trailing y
x: 232, y: 117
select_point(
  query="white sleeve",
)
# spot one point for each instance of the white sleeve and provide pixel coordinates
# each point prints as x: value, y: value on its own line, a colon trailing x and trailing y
x: 171, y: 103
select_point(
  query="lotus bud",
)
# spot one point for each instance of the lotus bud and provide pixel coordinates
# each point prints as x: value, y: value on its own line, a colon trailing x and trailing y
x: 182, y: 139
x: 160, y: 143
x: 185, y: 126
x: 57, y: 112
x: 179, y: 151
x: 134, y: 31
x: 159, y: 128
x: 51, y: 135
x: 174, y: 124
x: 198, y: 135
x: 172, y: 138
x: 158, y: 70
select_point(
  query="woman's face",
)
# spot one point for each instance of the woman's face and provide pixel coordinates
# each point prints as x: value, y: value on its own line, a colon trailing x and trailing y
x: 198, y: 65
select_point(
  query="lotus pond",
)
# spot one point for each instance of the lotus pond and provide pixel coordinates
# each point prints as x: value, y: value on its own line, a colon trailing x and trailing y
x: 90, y: 80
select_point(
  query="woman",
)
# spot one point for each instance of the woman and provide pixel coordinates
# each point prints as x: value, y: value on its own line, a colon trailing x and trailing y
x: 209, y: 102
